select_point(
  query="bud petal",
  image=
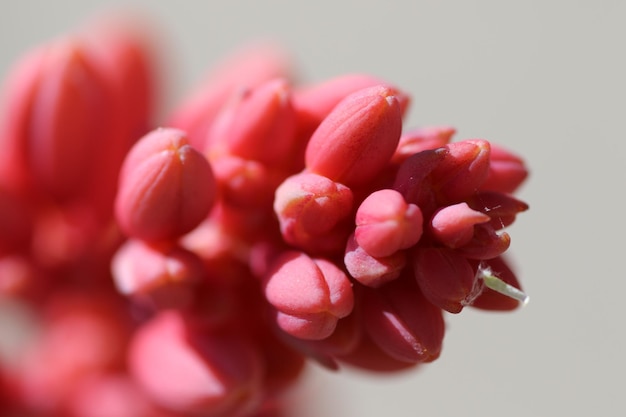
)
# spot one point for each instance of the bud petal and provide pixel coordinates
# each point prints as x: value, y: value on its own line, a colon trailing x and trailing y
x: 507, y: 171
x: 369, y: 270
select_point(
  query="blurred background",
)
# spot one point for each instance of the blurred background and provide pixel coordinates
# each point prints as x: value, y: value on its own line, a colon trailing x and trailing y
x: 546, y: 79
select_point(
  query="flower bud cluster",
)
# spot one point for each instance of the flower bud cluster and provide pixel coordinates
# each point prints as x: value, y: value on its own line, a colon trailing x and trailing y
x: 192, y: 269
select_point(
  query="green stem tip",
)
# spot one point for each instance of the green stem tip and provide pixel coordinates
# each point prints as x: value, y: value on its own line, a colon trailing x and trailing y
x: 498, y: 285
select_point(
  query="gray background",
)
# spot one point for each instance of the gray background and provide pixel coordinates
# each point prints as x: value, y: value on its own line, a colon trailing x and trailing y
x: 544, y: 78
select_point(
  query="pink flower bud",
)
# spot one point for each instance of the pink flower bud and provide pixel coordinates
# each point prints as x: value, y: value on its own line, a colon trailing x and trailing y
x: 446, y: 278
x: 369, y: 270
x: 188, y: 368
x: 385, y: 223
x: 310, y: 295
x: 367, y: 355
x: 166, y: 187
x: 245, y: 68
x: 454, y: 225
x: 259, y: 126
x: 462, y: 171
x: 507, y: 171
x: 309, y: 208
x: 422, y: 139
x: 402, y: 323
x: 165, y: 274
x: 357, y: 139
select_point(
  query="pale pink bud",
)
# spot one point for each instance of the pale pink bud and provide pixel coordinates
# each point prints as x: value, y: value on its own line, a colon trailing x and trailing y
x: 401, y: 322
x: 462, y: 171
x: 385, y: 223
x: 454, y: 225
x: 246, y: 68
x: 422, y: 139
x: 165, y: 274
x: 259, y: 126
x: 195, y: 369
x: 166, y: 187
x: 309, y: 208
x: 446, y: 278
x: 357, y: 139
x: 507, y: 171
x: 369, y: 270
x: 310, y: 295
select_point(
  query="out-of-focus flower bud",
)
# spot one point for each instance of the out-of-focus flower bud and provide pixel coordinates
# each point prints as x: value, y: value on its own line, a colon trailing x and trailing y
x: 309, y: 208
x: 446, y: 278
x: 462, y: 171
x: 259, y: 126
x: 81, y: 335
x: 58, y: 120
x: 357, y: 139
x: 245, y: 68
x: 369, y: 270
x: 422, y: 139
x: 166, y: 187
x: 454, y: 225
x: 15, y: 223
x: 385, y: 223
x: 112, y: 394
x: 188, y: 368
x: 507, y: 171
x: 123, y: 52
x: 164, y: 274
x: 310, y: 295
x: 401, y: 322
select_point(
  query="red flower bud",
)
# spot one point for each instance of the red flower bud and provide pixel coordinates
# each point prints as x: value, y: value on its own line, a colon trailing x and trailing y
x: 402, y: 323
x: 446, y: 278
